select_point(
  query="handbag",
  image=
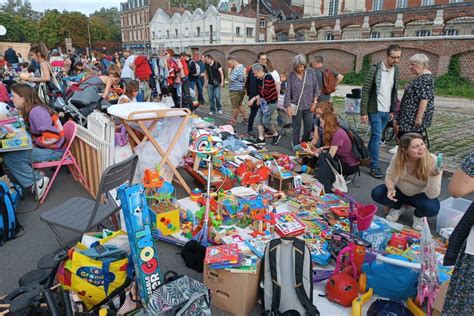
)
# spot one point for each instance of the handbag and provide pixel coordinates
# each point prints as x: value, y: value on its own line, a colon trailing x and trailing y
x: 339, y: 181
x: 263, y: 102
x: 181, y: 296
x: 295, y: 107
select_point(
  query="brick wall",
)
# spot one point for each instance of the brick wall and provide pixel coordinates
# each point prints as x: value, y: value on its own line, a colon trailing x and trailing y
x: 347, y: 55
x: 22, y: 48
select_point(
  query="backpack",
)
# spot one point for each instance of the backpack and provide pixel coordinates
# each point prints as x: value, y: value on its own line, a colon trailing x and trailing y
x: 192, y: 66
x: 287, y: 278
x: 359, y: 149
x: 9, y: 225
x: 329, y: 82
x: 180, y: 295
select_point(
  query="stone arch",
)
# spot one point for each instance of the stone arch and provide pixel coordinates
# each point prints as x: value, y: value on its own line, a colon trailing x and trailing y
x: 409, y: 18
x: 301, y: 35
x: 353, y: 20
x: 323, y: 31
x: 217, y: 55
x: 340, y: 60
x: 382, y: 18
x: 413, y: 27
x: 282, y: 36
x: 385, y: 29
x: 299, y: 27
x: 281, y: 59
x: 449, y: 15
x: 463, y: 26
x: 244, y: 56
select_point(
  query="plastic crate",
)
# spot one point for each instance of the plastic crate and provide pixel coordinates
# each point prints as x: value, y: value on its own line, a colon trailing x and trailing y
x: 451, y: 212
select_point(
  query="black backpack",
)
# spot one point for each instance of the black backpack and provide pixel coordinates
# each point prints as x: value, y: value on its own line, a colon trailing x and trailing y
x: 359, y: 149
x: 192, y: 68
x: 9, y: 225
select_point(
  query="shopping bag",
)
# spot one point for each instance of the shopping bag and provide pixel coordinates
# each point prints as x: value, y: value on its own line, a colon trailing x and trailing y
x: 95, y: 273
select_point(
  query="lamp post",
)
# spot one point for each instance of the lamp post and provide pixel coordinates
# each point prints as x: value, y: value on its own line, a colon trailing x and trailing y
x: 257, y: 23
x: 89, y: 35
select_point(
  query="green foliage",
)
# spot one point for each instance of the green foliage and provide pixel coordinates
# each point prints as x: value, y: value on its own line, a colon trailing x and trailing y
x: 105, y: 25
x: 357, y: 79
x: 20, y: 8
x: 49, y: 28
x: 194, y: 4
x: 74, y: 25
x: 452, y: 83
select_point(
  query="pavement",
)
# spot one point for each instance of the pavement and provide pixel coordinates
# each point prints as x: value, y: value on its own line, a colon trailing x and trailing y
x: 20, y: 256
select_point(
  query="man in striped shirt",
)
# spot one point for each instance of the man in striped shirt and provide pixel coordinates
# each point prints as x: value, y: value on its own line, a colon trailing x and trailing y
x: 236, y: 89
x: 267, y: 99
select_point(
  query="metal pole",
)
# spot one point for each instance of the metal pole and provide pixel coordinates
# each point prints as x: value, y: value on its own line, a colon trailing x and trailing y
x: 89, y: 34
x: 257, y: 23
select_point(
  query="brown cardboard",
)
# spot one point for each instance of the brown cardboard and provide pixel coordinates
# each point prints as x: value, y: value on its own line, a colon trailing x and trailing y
x: 278, y: 183
x: 236, y: 293
x: 439, y: 300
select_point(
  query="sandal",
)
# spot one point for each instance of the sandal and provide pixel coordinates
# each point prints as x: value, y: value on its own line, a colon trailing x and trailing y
x: 244, y: 121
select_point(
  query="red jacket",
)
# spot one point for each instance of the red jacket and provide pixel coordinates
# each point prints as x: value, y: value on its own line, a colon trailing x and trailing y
x: 4, y: 96
x: 142, y: 70
x: 185, y: 66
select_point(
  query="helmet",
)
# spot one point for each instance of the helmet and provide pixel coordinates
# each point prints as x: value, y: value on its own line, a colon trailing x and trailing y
x: 4, y: 108
x: 341, y: 288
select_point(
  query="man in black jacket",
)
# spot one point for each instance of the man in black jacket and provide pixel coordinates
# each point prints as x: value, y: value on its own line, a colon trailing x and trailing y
x: 11, y: 57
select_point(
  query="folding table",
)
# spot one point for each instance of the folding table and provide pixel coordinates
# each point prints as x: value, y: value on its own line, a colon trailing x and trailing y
x: 147, y: 115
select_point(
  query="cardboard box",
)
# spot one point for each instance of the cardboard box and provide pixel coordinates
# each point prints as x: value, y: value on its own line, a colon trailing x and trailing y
x: 440, y: 298
x: 236, y: 293
x: 279, y: 183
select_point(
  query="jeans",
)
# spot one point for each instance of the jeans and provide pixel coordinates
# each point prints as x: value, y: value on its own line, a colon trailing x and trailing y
x: 424, y: 206
x: 200, y: 94
x: 19, y: 163
x: 307, y: 117
x: 253, y: 113
x: 378, y: 121
x: 214, y: 97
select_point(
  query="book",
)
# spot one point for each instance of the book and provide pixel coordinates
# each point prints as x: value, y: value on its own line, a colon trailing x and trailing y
x: 221, y: 254
x: 257, y: 245
x: 248, y: 264
x: 287, y: 224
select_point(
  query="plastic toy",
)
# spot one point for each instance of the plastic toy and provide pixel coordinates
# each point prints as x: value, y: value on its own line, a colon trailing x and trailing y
x: 360, y: 301
x: 319, y: 251
x: 167, y: 223
x: 363, y: 214
x: 306, y: 169
x: 356, y: 255
x: 285, y: 162
x: 341, y: 288
x: 139, y: 229
x: 263, y: 223
x: 152, y: 179
x: 392, y: 276
x: 202, y: 202
x: 195, y: 195
x: 250, y: 173
x: 287, y: 224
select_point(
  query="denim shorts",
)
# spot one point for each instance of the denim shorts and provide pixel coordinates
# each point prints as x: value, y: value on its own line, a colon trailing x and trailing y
x: 266, y: 119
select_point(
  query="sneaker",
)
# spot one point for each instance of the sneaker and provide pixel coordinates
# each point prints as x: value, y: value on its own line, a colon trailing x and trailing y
x: 211, y: 113
x: 256, y: 141
x: 394, y: 214
x: 40, y: 187
x: 283, y: 132
x: 417, y: 223
x: 276, y: 139
x: 219, y: 112
x: 376, y: 173
x: 393, y: 150
x: 347, y: 179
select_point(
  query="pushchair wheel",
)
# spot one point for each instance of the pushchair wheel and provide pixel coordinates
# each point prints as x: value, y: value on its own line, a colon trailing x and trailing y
x: 34, y: 277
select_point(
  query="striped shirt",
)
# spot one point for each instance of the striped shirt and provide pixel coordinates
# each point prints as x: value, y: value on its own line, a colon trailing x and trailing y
x: 268, y: 89
x: 237, y: 78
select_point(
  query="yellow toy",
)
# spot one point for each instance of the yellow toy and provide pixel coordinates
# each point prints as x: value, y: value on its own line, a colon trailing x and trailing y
x: 168, y: 222
x: 359, y: 301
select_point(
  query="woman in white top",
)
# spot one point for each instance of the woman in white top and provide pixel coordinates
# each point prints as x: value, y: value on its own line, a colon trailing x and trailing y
x: 275, y: 75
x: 131, y: 92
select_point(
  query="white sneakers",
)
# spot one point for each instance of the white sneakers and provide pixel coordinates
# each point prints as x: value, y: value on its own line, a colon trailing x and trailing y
x: 219, y: 112
x: 393, y: 150
x: 417, y: 223
x: 40, y: 186
x: 394, y: 214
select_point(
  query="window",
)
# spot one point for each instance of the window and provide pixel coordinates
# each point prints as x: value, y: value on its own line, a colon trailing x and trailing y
x: 427, y: 2
x: 168, y: 33
x: 455, y: 1
x: 451, y: 32
x: 422, y: 33
x: 261, y: 38
x: 401, y: 4
x: 176, y: 32
x: 249, y: 32
x: 374, y: 34
x: 378, y: 5
x: 198, y: 31
x: 237, y: 31
x: 263, y: 23
x: 153, y: 34
x: 211, y: 33
x: 329, y: 37
x: 333, y: 7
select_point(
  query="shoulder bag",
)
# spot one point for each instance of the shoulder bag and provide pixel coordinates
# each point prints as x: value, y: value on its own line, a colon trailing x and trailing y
x: 294, y: 107
x: 339, y: 181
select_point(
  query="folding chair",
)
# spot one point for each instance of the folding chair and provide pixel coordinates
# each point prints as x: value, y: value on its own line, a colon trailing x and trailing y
x: 70, y: 130
x: 81, y: 214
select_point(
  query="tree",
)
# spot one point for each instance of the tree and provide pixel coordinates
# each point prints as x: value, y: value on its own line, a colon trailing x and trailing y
x: 20, y: 8
x: 194, y: 4
x: 50, y: 28
x: 105, y: 25
x: 74, y: 25
x: 18, y: 28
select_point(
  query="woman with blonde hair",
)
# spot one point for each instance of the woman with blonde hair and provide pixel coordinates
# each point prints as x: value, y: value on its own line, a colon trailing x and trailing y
x: 413, y: 180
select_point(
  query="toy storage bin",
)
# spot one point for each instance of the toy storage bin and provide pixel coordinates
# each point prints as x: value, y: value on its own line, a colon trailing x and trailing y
x: 451, y: 212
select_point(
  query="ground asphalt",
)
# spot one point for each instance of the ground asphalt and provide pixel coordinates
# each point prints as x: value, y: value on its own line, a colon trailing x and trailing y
x: 21, y: 255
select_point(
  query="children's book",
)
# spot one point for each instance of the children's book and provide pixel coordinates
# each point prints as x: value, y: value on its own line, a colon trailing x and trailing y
x: 257, y: 245
x: 287, y: 224
x: 222, y: 253
x: 248, y: 264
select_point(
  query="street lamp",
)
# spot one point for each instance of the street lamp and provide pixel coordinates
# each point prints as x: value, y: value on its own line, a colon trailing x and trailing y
x: 89, y: 35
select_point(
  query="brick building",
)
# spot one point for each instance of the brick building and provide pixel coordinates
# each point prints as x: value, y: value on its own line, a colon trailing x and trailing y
x: 135, y: 16
x: 348, y: 19
x: 347, y: 55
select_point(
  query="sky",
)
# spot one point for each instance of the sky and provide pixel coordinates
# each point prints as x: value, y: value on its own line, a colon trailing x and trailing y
x: 83, y: 6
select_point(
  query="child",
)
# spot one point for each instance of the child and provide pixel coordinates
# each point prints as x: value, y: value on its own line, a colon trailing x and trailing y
x: 283, y: 119
x: 131, y: 92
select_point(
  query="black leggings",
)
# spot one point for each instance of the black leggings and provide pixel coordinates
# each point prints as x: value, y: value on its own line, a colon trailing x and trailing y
x: 252, y: 115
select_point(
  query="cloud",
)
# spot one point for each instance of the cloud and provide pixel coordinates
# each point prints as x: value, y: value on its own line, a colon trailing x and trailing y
x: 84, y: 6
